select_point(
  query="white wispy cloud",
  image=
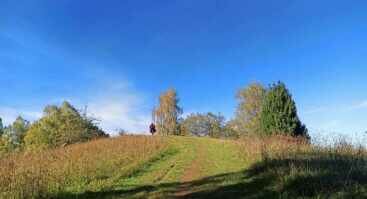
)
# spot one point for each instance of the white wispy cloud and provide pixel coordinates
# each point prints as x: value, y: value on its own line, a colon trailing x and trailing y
x: 117, y: 105
x: 9, y: 114
x: 357, y: 106
x: 120, y: 111
x: 341, y: 108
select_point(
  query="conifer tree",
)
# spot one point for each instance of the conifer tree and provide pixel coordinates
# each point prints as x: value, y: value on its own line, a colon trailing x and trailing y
x: 279, y: 113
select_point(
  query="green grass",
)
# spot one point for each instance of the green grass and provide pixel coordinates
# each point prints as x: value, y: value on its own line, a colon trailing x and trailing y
x: 162, y: 176
x: 211, y: 168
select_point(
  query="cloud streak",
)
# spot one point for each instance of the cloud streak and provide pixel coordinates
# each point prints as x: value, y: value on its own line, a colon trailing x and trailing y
x: 9, y: 114
x: 358, y: 106
x: 344, y: 108
x: 117, y: 105
x: 122, y: 111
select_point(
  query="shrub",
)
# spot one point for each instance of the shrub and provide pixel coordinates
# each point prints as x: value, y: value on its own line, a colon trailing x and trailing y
x: 61, y: 126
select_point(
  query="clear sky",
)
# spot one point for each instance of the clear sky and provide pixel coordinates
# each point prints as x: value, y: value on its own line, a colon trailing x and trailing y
x: 117, y: 56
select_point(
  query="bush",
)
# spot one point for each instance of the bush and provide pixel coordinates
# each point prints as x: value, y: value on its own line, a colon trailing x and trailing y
x: 61, y: 126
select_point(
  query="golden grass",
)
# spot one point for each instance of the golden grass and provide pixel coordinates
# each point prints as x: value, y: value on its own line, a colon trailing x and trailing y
x: 42, y: 174
x: 256, y: 148
x: 293, y: 168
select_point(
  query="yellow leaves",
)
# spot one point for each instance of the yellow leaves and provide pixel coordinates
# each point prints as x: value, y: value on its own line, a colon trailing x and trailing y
x: 167, y: 113
x: 250, y: 105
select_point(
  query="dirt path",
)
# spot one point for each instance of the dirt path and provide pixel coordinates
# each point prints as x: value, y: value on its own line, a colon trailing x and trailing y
x: 193, y: 165
x: 191, y: 173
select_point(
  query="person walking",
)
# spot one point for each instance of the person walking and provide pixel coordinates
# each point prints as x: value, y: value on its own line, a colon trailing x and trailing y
x: 152, y: 128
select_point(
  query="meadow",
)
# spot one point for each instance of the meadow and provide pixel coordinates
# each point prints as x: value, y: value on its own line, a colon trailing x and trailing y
x: 187, y: 167
x: 75, y: 168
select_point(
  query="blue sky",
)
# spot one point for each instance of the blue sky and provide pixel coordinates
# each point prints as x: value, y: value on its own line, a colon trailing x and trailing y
x: 117, y: 56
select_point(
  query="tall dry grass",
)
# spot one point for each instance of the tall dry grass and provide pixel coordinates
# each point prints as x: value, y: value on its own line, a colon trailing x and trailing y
x: 257, y: 148
x: 293, y: 168
x: 79, y: 167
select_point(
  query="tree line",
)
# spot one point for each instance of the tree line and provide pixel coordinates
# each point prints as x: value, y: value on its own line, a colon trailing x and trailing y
x: 260, y: 111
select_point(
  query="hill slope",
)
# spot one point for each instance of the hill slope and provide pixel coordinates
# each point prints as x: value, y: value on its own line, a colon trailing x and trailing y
x: 187, y: 167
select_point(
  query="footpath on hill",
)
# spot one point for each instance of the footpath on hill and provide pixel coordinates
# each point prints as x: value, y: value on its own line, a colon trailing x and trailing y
x: 189, y: 168
x: 198, y: 166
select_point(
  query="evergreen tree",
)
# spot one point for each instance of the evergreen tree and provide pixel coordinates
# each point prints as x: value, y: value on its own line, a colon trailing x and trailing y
x: 279, y: 113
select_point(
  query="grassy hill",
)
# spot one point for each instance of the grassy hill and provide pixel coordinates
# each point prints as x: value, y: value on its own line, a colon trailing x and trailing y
x: 186, y: 167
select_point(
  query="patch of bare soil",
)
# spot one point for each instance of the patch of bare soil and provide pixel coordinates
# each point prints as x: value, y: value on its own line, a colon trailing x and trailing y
x: 191, y: 174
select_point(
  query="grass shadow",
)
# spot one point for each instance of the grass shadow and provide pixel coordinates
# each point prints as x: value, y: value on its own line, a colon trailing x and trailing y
x: 306, y: 176
x: 229, y: 185
x: 316, y: 175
